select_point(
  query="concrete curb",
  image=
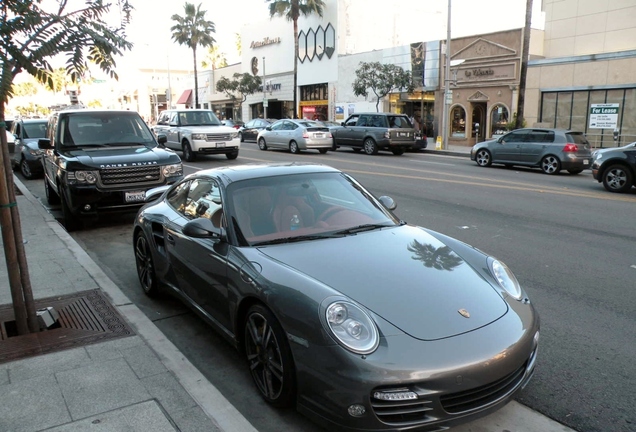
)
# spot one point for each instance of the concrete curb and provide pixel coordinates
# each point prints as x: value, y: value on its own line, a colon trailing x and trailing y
x: 211, y: 401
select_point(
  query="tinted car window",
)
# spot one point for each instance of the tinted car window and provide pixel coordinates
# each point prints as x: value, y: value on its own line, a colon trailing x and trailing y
x: 34, y: 130
x: 178, y: 196
x: 352, y: 121
x: 577, y: 138
x: 399, y: 122
x: 378, y: 121
x: 517, y: 136
x: 538, y: 136
x: 278, y: 125
x: 203, y: 199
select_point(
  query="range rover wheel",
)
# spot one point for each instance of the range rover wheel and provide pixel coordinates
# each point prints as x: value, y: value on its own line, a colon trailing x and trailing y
x: 261, y: 144
x: 617, y: 178
x: 551, y: 165
x: 370, y: 147
x: 25, y: 169
x: 188, y: 154
x: 398, y: 151
x: 483, y: 158
x: 71, y: 221
x: 293, y: 147
x: 232, y: 155
x: 269, y: 357
x: 51, y: 196
x: 145, y: 265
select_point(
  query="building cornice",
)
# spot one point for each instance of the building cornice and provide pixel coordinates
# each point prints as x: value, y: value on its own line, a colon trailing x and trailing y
x: 583, y: 58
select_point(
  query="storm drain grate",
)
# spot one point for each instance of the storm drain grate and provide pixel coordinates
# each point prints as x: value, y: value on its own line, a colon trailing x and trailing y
x: 85, y: 318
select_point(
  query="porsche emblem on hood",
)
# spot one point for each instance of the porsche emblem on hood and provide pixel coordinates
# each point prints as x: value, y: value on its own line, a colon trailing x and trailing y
x: 464, y: 313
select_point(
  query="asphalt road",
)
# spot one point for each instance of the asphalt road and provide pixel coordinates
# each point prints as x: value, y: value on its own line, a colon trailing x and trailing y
x: 569, y: 242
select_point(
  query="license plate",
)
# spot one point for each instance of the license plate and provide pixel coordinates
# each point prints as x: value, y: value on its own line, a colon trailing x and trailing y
x: 403, y: 134
x: 319, y: 135
x: 586, y: 162
x: 135, y: 196
x: 220, y: 144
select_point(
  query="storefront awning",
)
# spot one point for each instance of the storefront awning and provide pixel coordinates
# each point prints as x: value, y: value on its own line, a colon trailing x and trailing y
x: 185, y: 97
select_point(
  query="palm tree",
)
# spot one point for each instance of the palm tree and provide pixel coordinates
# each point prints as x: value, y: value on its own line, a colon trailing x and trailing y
x: 193, y: 30
x: 214, y: 59
x: 292, y: 9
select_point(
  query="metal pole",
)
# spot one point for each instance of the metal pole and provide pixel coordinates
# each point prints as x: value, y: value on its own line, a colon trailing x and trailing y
x: 169, y: 87
x: 447, y: 102
x: 264, y: 92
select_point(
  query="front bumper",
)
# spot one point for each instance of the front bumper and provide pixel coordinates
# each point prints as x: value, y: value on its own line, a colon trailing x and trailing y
x: 216, y: 147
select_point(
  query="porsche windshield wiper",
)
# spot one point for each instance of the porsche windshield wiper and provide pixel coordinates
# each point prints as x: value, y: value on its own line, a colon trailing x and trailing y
x: 361, y: 228
x: 297, y: 239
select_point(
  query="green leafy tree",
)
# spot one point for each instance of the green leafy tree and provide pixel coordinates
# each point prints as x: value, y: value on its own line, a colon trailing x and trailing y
x: 292, y: 9
x: 381, y: 79
x: 243, y: 83
x: 214, y: 59
x: 193, y: 30
x: 31, y: 33
x: 27, y: 88
x: 239, y: 43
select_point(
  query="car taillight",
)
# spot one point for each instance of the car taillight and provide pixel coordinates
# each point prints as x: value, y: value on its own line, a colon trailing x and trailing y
x: 569, y: 147
x: 236, y: 126
x: 305, y: 135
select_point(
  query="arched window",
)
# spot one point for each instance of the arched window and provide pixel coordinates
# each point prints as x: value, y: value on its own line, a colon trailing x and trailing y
x: 458, y: 122
x: 499, y: 118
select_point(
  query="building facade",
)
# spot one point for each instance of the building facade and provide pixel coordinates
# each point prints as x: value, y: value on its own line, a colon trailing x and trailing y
x: 585, y: 80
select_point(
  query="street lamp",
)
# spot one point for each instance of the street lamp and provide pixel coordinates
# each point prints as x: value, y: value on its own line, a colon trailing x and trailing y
x: 448, y: 97
x: 264, y: 92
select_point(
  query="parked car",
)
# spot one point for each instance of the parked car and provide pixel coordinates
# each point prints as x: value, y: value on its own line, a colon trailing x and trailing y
x: 197, y: 131
x: 549, y: 149
x: 99, y: 161
x: 295, y: 136
x: 605, y: 149
x: 372, y: 132
x: 615, y: 168
x: 445, y: 336
x: 27, y: 155
x: 249, y: 131
x: 236, y: 124
x: 10, y: 138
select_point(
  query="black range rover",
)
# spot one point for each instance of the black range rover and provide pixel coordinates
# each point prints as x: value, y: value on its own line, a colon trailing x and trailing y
x: 99, y: 161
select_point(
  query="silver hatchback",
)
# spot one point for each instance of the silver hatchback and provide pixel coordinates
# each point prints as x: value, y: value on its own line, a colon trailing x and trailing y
x: 549, y: 149
x: 295, y: 135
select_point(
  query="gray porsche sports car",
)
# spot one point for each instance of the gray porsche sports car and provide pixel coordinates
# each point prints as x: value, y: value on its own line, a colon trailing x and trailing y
x: 360, y: 320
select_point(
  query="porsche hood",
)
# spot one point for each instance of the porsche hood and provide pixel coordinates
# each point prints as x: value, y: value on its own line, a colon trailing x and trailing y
x: 403, y: 274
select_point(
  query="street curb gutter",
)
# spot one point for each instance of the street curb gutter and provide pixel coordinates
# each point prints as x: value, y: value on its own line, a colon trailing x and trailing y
x: 211, y: 401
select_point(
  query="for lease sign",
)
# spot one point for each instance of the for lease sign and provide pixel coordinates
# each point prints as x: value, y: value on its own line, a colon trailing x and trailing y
x: 604, y: 116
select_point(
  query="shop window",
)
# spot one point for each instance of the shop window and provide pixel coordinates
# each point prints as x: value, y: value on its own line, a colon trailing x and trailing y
x: 499, y: 117
x: 311, y: 44
x: 320, y: 42
x: 564, y: 110
x: 302, y: 46
x: 458, y: 123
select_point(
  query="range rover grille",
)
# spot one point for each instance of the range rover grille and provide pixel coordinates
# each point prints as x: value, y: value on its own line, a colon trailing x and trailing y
x: 218, y: 137
x: 130, y: 176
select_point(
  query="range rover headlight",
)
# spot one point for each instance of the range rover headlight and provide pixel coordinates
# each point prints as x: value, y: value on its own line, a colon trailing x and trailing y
x: 505, y: 278
x: 352, y: 327
x: 89, y: 177
x: 234, y: 135
x: 173, y: 170
x: 199, y: 137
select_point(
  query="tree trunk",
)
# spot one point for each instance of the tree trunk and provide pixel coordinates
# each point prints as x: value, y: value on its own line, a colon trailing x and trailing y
x: 196, y: 79
x: 295, y: 67
x: 521, y: 100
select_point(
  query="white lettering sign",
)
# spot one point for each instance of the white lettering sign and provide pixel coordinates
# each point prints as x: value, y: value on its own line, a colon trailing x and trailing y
x: 604, y: 116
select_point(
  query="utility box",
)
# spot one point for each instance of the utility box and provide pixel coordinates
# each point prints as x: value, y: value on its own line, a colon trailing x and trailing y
x: 47, y: 317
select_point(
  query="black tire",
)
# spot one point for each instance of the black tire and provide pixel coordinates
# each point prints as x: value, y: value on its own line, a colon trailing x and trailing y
x: 145, y: 266
x: 269, y: 357
x: 574, y: 172
x: 51, y: 196
x: 323, y: 151
x: 233, y: 155
x: 334, y: 147
x: 356, y: 149
x: 617, y: 178
x: 483, y: 158
x: 370, y: 147
x: 398, y: 151
x: 262, y: 144
x: 241, y: 137
x: 71, y: 221
x: 293, y: 147
x: 188, y: 154
x: 25, y: 169
x: 551, y: 165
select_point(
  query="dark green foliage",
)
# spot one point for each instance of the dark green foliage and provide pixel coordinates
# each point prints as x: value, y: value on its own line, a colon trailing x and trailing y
x: 243, y: 83
x: 381, y: 79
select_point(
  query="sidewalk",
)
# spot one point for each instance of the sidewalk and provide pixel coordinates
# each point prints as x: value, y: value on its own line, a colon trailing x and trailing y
x: 451, y: 150
x: 135, y: 383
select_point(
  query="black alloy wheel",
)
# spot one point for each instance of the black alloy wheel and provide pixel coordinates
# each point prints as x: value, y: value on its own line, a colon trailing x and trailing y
x: 71, y: 221
x: 188, y: 154
x: 25, y: 169
x: 261, y: 144
x: 145, y: 266
x: 269, y: 357
x: 370, y: 147
x: 617, y: 178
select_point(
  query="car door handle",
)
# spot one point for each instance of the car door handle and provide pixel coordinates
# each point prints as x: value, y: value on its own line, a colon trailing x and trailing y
x: 170, y: 239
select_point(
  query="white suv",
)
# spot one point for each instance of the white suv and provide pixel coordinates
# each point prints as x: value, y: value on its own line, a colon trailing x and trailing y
x: 196, y: 131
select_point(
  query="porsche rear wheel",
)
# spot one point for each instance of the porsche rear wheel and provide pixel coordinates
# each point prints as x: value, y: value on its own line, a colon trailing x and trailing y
x: 269, y: 357
x: 145, y: 265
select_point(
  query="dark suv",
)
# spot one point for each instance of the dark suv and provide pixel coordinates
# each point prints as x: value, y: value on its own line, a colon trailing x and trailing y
x: 615, y: 168
x: 372, y: 132
x: 98, y: 161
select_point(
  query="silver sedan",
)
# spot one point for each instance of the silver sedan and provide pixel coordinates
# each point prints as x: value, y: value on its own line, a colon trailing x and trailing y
x: 295, y: 135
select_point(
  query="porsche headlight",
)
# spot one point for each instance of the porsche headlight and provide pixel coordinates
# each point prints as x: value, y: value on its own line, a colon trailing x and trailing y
x: 352, y: 327
x: 505, y: 278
